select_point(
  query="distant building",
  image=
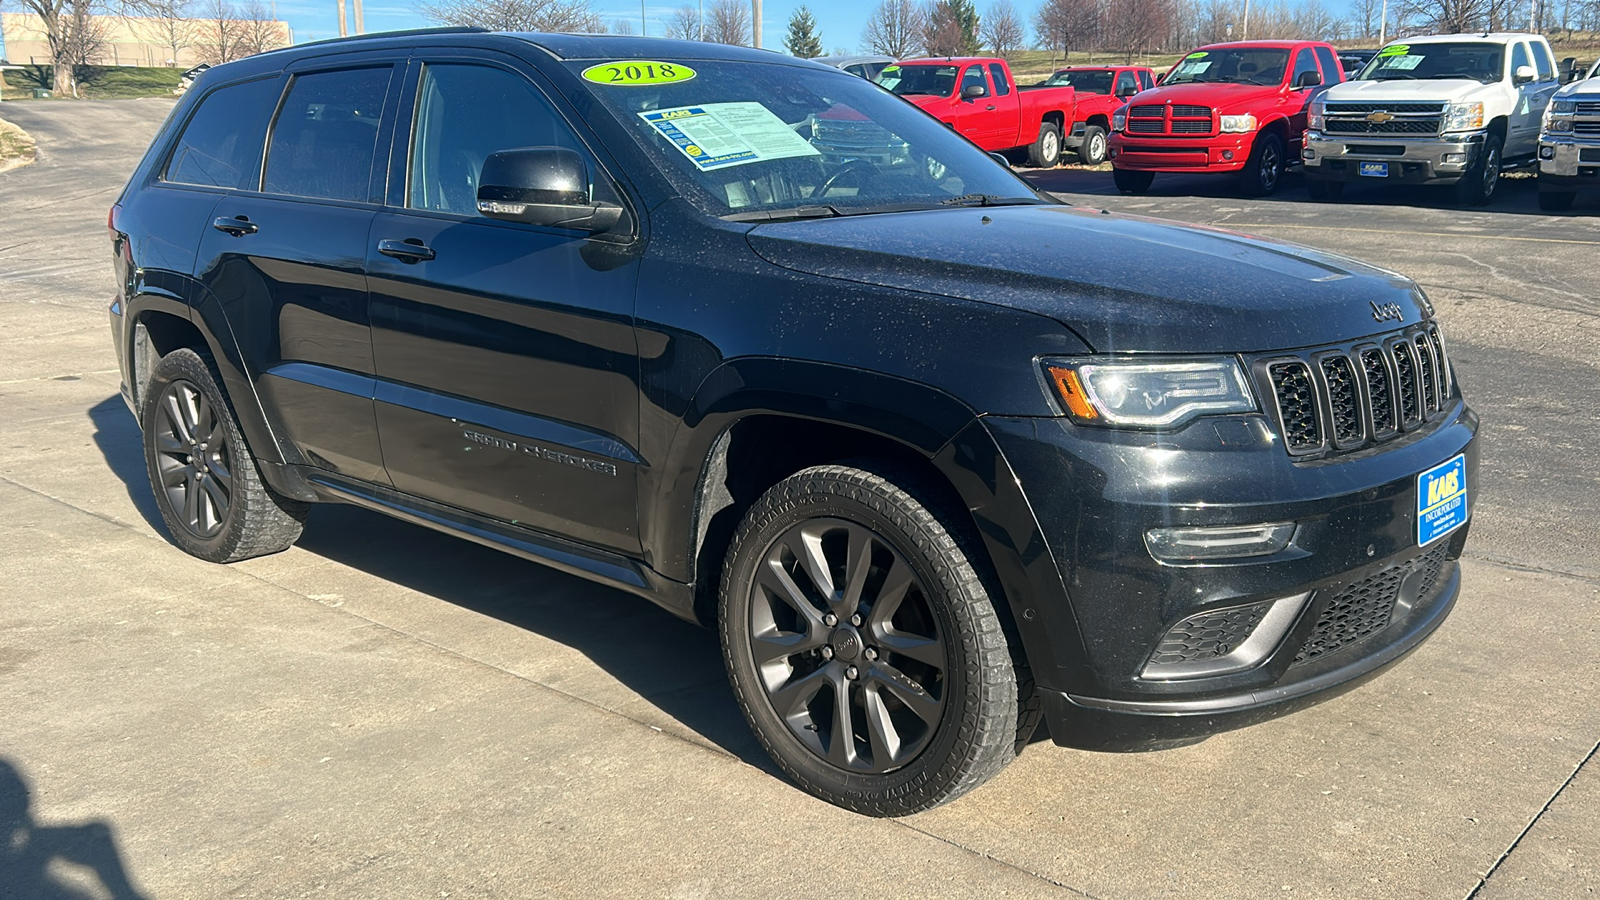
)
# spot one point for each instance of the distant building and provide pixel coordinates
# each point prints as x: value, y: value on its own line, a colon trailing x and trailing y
x: 132, y: 41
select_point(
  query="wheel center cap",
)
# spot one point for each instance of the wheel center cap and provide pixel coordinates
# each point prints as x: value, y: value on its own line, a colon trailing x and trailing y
x: 846, y: 643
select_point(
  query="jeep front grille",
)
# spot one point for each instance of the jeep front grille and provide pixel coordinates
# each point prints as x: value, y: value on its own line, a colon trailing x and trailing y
x: 1331, y: 400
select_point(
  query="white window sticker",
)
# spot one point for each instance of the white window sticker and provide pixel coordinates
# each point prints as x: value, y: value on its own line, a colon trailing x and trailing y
x: 717, y: 135
x: 1403, y: 63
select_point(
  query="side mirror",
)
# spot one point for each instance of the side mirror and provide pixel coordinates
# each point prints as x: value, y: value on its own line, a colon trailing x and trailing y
x: 974, y: 91
x: 1308, y: 79
x: 1001, y: 159
x: 1523, y: 75
x: 542, y: 186
x: 1125, y: 91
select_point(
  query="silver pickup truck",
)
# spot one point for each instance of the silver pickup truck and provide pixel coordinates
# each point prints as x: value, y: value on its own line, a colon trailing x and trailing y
x: 1569, y: 143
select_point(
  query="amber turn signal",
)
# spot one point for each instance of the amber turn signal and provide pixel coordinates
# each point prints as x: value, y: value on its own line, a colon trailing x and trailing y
x: 1071, y: 392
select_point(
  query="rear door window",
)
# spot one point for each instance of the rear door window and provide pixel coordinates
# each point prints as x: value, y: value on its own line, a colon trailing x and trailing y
x: 1541, y: 58
x: 1002, y: 87
x: 1330, y: 66
x: 223, y: 138
x: 1147, y: 79
x: 326, y: 135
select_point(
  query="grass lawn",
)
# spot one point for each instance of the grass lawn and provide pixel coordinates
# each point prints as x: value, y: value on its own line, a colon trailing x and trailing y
x: 98, y: 82
x: 16, y: 146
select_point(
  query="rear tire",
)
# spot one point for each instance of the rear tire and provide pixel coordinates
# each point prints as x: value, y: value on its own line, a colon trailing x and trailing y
x: 1324, y: 190
x: 1045, y: 151
x: 1131, y: 182
x: 1556, y: 201
x: 211, y: 495
x: 864, y: 647
x: 1092, y: 152
x: 1476, y: 187
x: 1262, y: 173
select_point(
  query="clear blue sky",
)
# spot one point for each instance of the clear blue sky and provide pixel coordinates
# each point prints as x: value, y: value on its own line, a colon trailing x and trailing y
x: 840, y: 21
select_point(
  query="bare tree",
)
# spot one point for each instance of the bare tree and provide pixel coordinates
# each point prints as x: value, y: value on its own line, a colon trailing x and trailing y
x: 895, y: 28
x: 218, y: 32
x: 167, y: 22
x: 728, y: 22
x: 1065, y: 25
x: 684, y: 23
x: 516, y: 15
x: 1131, y: 27
x: 621, y: 26
x: 70, y: 31
x: 84, y: 41
x: 1002, y: 30
x: 258, y: 31
x: 1450, y: 16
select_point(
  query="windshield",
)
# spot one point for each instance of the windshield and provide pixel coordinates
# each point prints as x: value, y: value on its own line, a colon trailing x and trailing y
x: 1244, y: 65
x: 1087, y: 81
x: 1477, y: 61
x: 935, y: 81
x: 764, y: 141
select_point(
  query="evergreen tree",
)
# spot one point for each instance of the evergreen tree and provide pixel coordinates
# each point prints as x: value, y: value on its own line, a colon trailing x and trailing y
x: 803, y: 40
x: 951, y: 29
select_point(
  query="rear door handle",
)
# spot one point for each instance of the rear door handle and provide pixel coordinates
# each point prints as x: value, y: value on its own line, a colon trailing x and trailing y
x: 409, y: 250
x: 238, y: 226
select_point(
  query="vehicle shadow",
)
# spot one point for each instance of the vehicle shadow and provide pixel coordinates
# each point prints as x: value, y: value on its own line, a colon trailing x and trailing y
x: 117, y: 435
x: 1517, y: 194
x: 668, y: 663
x: 31, y: 854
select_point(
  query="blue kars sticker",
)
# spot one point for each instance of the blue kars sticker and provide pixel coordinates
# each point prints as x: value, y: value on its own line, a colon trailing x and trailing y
x: 1441, y: 500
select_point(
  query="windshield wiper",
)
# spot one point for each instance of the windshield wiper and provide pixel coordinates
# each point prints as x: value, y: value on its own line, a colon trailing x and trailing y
x: 989, y: 200
x: 783, y: 215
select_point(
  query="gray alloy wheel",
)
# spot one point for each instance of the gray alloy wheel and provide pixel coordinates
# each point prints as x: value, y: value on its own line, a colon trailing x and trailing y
x: 847, y: 646
x: 210, y: 494
x: 862, y: 644
x: 1045, y: 152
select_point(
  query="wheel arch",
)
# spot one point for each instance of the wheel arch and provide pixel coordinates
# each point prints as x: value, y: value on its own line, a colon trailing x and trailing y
x: 1057, y: 118
x: 1101, y: 120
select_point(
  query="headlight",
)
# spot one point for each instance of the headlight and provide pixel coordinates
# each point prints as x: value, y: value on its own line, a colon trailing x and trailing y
x: 1238, y: 124
x: 1557, y: 126
x: 1119, y: 119
x: 1148, y: 394
x: 1563, y: 107
x: 1317, y: 116
x: 1463, y: 117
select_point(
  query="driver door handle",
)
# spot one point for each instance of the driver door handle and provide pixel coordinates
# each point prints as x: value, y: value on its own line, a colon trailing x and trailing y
x: 410, y: 250
x: 238, y: 226
x: 990, y: 106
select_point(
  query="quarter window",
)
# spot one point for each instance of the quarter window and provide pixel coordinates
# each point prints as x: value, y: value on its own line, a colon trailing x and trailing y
x: 223, y: 139
x: 465, y: 113
x: 1002, y: 87
x: 327, y: 134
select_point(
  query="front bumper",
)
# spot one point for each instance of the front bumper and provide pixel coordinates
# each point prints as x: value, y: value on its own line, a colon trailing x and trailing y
x: 1411, y: 160
x: 1568, y: 164
x: 1158, y: 153
x: 1096, y: 493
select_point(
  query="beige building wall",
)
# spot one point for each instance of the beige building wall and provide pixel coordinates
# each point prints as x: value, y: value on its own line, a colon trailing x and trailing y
x: 130, y: 41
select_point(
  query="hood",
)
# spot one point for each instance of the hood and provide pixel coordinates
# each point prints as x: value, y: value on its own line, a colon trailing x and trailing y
x: 1219, y: 95
x: 1401, y: 90
x: 1589, y: 88
x: 923, y: 100
x: 1122, y: 283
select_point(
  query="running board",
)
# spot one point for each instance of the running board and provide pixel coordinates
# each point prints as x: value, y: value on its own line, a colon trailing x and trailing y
x: 612, y: 569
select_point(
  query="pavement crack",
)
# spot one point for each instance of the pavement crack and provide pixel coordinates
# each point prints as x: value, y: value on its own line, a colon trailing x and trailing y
x: 995, y: 859
x: 1508, y: 563
x: 1484, y: 880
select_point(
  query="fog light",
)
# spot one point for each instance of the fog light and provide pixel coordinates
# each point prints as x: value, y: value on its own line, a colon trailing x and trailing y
x: 1115, y: 153
x: 1455, y: 159
x: 1547, y: 152
x: 1180, y: 545
x: 1227, y: 154
x: 1308, y: 153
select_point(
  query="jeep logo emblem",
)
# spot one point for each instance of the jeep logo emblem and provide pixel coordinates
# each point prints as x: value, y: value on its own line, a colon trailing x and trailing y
x: 1387, y: 311
x: 1379, y: 116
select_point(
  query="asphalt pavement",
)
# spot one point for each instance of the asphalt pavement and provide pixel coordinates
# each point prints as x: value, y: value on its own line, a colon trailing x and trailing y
x: 383, y: 711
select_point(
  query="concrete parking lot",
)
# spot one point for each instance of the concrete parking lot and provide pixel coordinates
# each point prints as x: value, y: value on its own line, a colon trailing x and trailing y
x: 383, y: 711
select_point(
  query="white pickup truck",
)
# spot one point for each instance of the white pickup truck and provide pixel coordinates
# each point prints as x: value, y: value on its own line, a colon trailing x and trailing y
x: 1441, y: 109
x: 1569, y: 144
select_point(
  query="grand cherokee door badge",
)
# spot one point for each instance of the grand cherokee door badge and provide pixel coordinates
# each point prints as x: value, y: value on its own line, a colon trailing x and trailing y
x: 582, y: 462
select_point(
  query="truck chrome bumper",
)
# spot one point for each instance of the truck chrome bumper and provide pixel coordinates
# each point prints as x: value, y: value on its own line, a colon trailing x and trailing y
x: 1414, y: 159
x: 1569, y: 157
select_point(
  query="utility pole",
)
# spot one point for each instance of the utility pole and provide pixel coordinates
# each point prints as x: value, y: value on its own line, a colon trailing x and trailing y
x: 755, y: 25
x: 361, y: 21
x: 1383, y: 25
x: 344, y: 27
x: 644, y: 27
x: 702, y: 20
x: 1246, y: 35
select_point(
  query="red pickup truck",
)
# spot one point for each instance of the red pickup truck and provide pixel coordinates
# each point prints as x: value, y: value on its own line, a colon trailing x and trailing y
x: 979, y: 98
x: 1101, y: 90
x: 1238, y: 107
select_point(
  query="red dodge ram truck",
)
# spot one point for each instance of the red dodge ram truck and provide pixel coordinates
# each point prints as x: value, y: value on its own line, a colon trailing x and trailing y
x: 1101, y: 90
x: 1238, y: 107
x: 978, y: 97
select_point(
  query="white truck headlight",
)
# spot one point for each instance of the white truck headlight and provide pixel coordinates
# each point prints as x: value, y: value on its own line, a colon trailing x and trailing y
x: 1238, y: 124
x: 1119, y: 119
x: 1463, y: 116
x: 1137, y: 394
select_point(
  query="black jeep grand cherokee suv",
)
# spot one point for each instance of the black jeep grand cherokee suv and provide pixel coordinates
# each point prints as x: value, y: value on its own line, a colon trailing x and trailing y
x: 938, y: 455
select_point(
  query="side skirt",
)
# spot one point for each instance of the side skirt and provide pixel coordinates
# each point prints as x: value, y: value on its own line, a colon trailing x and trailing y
x: 596, y: 565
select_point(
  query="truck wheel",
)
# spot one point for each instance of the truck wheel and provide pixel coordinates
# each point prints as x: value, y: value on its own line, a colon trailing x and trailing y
x: 1556, y: 201
x: 1261, y: 173
x: 1092, y: 152
x: 1131, y: 182
x: 863, y: 646
x: 1045, y: 152
x: 1321, y: 189
x: 1477, y: 186
x: 208, y: 489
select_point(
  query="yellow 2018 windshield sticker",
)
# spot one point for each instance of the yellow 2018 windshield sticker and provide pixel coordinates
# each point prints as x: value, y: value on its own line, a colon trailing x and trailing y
x: 1395, y: 50
x: 631, y: 72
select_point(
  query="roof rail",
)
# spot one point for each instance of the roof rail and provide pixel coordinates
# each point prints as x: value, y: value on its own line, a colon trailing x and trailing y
x: 412, y: 32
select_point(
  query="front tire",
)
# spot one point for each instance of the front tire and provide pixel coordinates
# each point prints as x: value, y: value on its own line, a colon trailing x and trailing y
x: 1263, y: 171
x: 1132, y: 182
x: 862, y: 645
x: 1045, y: 151
x: 1476, y: 187
x: 1092, y: 152
x: 211, y: 495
